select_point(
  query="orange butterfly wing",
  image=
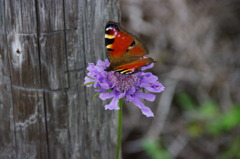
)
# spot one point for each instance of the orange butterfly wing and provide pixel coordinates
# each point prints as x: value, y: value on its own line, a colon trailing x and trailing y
x: 124, y: 51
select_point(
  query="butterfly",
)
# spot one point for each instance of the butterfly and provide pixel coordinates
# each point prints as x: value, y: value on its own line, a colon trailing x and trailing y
x: 124, y: 51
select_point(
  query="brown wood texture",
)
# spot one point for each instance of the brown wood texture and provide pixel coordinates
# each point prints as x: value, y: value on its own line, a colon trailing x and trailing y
x: 45, y: 111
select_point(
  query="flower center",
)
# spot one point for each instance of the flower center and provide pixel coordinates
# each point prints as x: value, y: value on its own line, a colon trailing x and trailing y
x: 122, y: 82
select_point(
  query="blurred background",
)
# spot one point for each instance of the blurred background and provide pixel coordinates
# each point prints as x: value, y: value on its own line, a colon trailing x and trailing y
x: 197, y: 46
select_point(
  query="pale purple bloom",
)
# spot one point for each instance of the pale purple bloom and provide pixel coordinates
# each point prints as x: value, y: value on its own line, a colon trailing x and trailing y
x: 111, y: 84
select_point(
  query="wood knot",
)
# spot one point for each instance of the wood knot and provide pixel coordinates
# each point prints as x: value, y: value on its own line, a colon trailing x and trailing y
x: 18, y: 51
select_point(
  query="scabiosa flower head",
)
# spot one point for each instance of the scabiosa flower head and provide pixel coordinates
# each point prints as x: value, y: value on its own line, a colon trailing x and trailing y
x: 111, y: 84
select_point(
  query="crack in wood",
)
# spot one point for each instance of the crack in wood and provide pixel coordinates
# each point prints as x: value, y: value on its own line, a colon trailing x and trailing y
x: 37, y: 89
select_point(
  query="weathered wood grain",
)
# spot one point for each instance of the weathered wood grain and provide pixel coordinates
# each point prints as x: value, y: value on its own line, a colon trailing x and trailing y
x: 50, y: 15
x: 53, y: 60
x: 28, y: 114
x: 24, y: 63
x: 71, y: 12
x: 29, y: 123
x: 57, y: 124
x: 7, y: 137
x: 45, y: 111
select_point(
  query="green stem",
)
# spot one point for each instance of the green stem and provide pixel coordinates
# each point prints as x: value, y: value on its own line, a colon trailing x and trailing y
x: 119, y: 128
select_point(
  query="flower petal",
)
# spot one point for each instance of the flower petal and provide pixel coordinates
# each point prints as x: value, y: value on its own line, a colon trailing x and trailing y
x: 145, y: 110
x: 113, y: 105
x: 90, y: 67
x: 104, y: 85
x: 107, y: 62
x: 147, y: 67
x: 148, y: 78
x: 88, y: 80
x: 107, y: 95
x: 131, y: 91
x: 147, y: 96
x: 101, y: 63
x: 157, y: 87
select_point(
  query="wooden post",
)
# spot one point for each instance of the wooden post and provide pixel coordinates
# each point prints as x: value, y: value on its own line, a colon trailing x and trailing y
x: 45, y: 111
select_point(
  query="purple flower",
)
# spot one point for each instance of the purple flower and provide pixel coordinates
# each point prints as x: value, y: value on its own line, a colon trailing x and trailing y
x: 111, y: 84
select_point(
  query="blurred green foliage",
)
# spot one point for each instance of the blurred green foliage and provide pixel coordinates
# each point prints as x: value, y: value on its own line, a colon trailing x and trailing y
x: 233, y: 151
x: 155, y: 150
x: 205, y: 118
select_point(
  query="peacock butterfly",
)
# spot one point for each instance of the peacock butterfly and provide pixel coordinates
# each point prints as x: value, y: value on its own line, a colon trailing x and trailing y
x: 124, y: 51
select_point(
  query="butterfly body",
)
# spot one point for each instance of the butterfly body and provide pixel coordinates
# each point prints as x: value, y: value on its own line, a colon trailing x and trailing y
x: 124, y: 51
